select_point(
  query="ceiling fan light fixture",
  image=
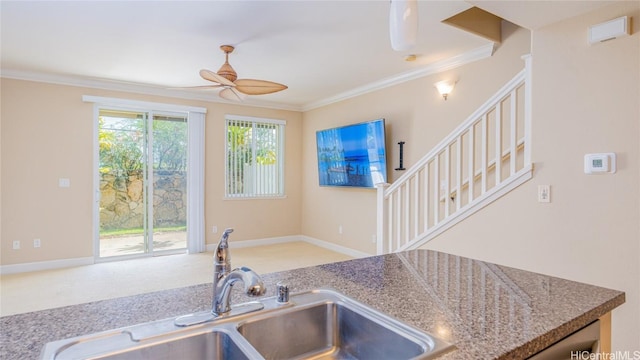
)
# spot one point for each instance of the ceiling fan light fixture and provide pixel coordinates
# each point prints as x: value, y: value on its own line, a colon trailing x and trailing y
x: 403, y: 24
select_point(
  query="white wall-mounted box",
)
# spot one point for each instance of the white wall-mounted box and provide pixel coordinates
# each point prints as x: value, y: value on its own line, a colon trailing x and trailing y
x: 609, y: 30
x: 600, y: 163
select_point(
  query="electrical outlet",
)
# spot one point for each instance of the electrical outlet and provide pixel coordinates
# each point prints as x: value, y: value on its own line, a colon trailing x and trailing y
x: 373, y: 238
x: 214, y: 229
x: 16, y: 245
x: 64, y: 182
x: 340, y: 229
x: 36, y: 243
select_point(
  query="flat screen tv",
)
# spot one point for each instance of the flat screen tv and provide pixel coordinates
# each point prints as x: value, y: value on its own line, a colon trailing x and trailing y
x: 353, y: 155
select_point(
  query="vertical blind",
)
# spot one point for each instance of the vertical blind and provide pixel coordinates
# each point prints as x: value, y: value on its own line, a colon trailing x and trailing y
x: 254, y: 157
x: 196, y: 165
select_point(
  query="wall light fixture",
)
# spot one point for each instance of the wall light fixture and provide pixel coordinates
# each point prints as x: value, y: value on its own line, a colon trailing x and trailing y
x: 444, y: 87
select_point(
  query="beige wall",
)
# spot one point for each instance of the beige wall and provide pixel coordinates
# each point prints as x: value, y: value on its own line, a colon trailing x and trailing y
x: 414, y: 113
x: 586, y: 99
x: 47, y: 134
x: 589, y: 232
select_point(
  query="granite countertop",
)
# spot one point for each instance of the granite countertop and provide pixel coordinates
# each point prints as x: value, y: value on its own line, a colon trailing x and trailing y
x: 487, y: 311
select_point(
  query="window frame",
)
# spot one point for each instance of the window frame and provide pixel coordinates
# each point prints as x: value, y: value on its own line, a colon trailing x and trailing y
x: 280, y: 159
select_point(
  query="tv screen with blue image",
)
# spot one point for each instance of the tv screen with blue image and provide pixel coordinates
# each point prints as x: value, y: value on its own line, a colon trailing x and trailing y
x: 353, y: 155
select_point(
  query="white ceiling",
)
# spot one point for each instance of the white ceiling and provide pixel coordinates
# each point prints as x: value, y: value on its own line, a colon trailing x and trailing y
x: 320, y: 49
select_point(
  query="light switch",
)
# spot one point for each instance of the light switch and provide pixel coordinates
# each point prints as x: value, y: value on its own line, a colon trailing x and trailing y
x: 544, y: 193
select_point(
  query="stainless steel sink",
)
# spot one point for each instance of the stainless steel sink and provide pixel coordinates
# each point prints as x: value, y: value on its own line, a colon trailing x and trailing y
x: 208, y: 345
x: 334, y: 327
x: 320, y: 324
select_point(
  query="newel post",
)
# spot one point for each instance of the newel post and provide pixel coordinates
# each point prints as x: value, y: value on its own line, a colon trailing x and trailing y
x: 380, y: 218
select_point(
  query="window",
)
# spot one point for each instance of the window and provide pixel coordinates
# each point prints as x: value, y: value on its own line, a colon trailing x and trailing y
x: 255, y: 157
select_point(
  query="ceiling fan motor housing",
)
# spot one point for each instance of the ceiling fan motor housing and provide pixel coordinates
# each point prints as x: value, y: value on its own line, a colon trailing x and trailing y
x: 226, y: 70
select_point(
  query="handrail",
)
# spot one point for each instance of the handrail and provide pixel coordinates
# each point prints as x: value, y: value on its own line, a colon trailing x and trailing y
x: 416, y: 207
x: 483, y: 109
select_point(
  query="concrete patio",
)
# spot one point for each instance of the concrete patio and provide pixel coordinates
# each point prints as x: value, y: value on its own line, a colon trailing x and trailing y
x: 134, y: 244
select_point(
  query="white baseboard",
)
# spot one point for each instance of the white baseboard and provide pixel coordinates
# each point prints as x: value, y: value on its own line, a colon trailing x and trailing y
x: 257, y: 242
x: 334, y: 247
x: 45, y: 265
x: 57, y: 264
x: 293, y: 238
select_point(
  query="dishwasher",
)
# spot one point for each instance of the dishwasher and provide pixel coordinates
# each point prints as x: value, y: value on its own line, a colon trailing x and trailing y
x: 579, y: 345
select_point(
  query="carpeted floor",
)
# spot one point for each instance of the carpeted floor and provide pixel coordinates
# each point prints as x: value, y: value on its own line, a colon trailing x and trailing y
x: 25, y: 292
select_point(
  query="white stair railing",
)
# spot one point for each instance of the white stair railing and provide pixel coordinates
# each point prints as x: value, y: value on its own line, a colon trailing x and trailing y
x: 485, y: 157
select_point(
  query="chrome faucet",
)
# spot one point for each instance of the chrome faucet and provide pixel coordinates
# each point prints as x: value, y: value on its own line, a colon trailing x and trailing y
x: 224, y: 278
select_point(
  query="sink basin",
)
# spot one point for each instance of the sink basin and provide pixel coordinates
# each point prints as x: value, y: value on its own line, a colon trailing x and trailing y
x: 319, y: 324
x: 332, y: 330
x: 208, y: 345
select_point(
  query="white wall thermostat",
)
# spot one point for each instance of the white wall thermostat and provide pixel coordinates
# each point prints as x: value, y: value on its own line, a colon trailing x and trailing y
x: 604, y: 163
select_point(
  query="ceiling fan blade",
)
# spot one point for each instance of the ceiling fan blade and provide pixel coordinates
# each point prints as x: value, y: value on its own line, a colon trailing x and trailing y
x: 212, y: 76
x: 204, y: 87
x: 228, y: 93
x: 240, y: 95
x: 258, y: 87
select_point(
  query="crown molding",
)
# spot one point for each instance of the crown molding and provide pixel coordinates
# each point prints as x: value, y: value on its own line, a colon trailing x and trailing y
x: 105, y: 84
x: 434, y: 68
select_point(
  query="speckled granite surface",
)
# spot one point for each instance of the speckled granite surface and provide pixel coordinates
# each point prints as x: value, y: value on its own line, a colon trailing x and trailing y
x: 487, y: 311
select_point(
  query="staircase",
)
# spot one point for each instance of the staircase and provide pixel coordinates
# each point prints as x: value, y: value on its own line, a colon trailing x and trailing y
x: 484, y: 158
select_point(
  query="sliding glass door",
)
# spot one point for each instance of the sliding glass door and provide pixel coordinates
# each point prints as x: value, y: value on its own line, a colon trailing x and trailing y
x: 142, y: 176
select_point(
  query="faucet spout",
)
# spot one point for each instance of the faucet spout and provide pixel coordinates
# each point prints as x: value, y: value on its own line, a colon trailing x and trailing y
x: 222, y: 250
x: 253, y: 286
x: 224, y: 278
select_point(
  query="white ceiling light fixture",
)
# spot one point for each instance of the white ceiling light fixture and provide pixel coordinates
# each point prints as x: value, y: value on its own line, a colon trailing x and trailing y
x: 445, y: 87
x: 403, y: 24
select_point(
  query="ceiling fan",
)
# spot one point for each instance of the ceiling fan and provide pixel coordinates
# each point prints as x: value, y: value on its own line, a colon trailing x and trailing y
x: 235, y: 89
